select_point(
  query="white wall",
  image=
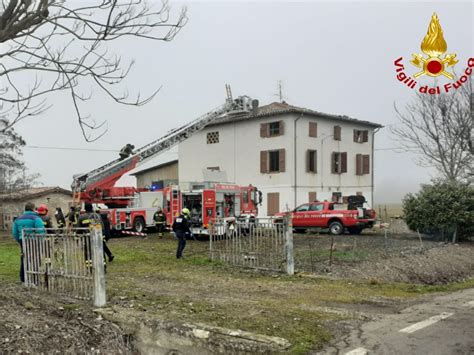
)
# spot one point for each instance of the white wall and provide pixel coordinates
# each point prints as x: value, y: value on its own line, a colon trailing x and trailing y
x: 238, y: 154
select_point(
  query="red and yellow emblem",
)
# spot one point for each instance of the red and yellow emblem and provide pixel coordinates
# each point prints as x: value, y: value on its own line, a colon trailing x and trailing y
x: 434, y: 46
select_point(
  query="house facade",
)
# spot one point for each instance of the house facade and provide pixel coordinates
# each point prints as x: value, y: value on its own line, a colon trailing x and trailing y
x: 13, y: 204
x: 292, y: 154
x: 158, y: 176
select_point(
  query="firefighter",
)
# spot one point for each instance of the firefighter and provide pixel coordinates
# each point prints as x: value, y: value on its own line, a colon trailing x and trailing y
x: 42, y: 210
x: 72, y: 217
x: 126, y: 151
x: 106, y: 233
x: 181, y: 230
x: 84, y: 221
x: 160, y: 221
x: 60, y: 219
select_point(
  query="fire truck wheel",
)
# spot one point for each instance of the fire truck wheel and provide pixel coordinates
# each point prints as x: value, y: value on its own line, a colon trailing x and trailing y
x: 336, y: 228
x: 139, y: 225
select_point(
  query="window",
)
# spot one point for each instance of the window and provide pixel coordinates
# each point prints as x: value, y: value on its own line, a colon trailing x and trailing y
x: 313, y: 129
x: 212, y: 137
x: 272, y: 129
x: 312, y: 196
x: 311, y: 159
x: 337, y: 197
x: 245, y: 196
x: 316, y: 207
x: 361, y: 136
x: 302, y: 208
x: 337, y: 133
x: 213, y: 168
x: 339, y: 163
x: 362, y: 164
x: 274, y: 161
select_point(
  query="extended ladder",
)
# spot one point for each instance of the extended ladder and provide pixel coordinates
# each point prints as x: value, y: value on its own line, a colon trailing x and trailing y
x: 175, y: 136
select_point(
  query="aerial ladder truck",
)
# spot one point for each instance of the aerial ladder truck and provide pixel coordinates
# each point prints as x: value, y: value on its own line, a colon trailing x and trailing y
x: 130, y: 208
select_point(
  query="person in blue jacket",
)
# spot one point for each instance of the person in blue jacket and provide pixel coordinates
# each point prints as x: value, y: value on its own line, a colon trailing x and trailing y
x: 29, y: 219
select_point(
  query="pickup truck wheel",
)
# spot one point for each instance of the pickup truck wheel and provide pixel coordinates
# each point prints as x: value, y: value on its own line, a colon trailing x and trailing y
x: 336, y: 228
x: 139, y: 225
x: 355, y: 230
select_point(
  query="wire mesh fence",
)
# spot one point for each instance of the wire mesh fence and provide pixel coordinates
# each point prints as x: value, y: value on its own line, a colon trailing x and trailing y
x: 68, y: 262
x: 315, y: 252
x: 259, y: 243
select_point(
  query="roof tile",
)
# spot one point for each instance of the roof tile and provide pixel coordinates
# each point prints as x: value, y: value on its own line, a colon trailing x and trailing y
x: 277, y: 108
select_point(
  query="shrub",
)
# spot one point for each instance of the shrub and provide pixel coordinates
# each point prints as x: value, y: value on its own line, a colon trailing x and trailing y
x: 441, y: 207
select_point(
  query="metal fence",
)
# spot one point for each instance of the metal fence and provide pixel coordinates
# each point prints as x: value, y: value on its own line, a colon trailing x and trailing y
x: 266, y: 244
x: 68, y: 262
x: 315, y: 252
x: 259, y: 243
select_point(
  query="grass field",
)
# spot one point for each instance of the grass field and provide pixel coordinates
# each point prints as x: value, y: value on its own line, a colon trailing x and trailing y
x: 146, y: 277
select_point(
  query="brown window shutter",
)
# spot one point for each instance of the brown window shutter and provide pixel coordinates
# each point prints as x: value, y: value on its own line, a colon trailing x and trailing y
x: 263, y: 130
x: 366, y: 164
x: 264, y: 162
x: 273, y: 203
x: 315, y: 161
x: 312, y: 196
x: 307, y: 160
x: 313, y: 129
x: 282, y: 160
x: 281, y: 127
x: 365, y: 136
x: 337, y: 133
x: 358, y: 164
x: 344, y: 162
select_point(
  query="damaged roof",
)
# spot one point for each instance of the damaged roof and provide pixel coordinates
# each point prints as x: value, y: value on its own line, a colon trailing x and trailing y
x: 32, y: 193
x: 278, y: 108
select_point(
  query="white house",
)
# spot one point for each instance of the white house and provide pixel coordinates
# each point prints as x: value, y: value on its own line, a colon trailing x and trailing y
x: 292, y: 154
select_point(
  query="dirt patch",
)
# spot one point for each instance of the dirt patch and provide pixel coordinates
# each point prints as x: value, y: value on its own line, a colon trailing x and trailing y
x: 385, y: 257
x: 445, y: 264
x: 36, y: 322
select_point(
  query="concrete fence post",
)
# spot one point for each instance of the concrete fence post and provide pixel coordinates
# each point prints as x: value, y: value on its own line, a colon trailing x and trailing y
x: 97, y: 251
x: 290, y: 262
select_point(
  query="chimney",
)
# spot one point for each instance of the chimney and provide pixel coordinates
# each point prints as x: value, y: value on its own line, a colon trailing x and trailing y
x: 254, y: 107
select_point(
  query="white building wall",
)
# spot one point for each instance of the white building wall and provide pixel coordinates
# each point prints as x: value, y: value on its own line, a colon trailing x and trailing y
x: 238, y: 154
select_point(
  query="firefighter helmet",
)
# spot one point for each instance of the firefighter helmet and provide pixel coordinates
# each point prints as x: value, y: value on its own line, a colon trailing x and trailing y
x: 185, y: 211
x: 42, y: 209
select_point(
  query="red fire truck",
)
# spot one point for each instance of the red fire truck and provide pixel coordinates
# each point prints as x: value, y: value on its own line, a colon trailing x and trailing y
x: 206, y: 202
x: 132, y: 208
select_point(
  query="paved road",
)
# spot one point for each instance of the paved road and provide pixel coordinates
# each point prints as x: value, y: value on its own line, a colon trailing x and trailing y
x: 443, y: 325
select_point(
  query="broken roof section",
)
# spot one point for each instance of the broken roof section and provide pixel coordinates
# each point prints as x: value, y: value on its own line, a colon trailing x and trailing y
x: 32, y: 193
x: 278, y: 108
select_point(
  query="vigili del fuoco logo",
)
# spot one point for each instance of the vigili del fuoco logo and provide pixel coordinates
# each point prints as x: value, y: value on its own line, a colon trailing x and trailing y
x: 434, y: 64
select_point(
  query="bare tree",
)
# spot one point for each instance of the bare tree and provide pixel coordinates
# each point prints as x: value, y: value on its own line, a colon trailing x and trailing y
x: 13, y: 173
x: 440, y: 129
x: 61, y: 45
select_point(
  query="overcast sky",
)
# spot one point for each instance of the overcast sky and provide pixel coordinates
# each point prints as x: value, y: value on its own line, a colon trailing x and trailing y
x: 334, y: 57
